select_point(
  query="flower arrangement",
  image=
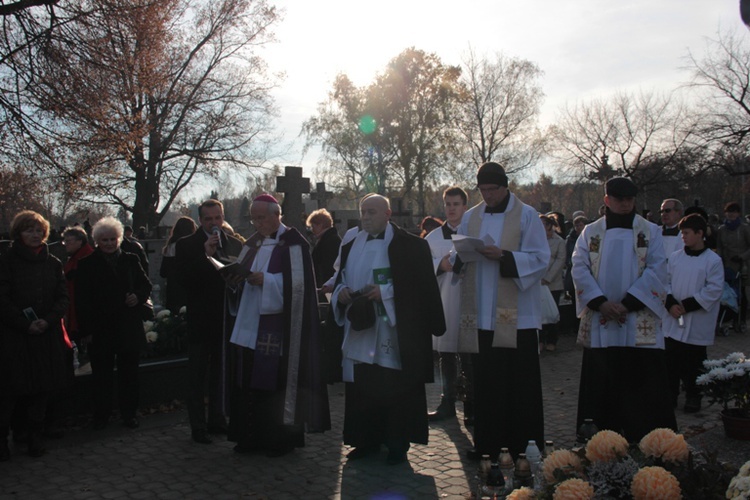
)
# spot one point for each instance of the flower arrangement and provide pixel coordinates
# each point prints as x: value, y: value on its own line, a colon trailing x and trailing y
x: 165, y: 335
x: 739, y: 487
x: 727, y: 381
x: 660, y: 466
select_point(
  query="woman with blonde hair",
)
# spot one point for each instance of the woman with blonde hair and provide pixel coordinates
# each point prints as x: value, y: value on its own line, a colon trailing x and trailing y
x: 111, y: 292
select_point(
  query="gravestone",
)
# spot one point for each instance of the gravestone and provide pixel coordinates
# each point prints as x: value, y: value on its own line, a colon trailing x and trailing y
x: 293, y: 185
x: 321, y: 195
x: 345, y: 220
x: 401, y: 216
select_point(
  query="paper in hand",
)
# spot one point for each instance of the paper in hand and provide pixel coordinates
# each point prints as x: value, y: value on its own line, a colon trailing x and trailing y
x: 466, y: 246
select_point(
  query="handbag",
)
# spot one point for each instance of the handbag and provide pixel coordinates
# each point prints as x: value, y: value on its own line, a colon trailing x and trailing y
x: 550, y: 313
x: 146, y: 310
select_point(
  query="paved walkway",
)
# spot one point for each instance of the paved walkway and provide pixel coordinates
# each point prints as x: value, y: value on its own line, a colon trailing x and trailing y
x: 159, y: 460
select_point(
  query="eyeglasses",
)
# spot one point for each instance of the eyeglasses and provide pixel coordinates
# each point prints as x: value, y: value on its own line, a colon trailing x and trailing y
x: 665, y: 210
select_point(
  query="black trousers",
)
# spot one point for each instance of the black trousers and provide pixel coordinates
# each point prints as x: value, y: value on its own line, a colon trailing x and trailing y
x: 34, y: 406
x: 204, y: 372
x: 104, y: 359
x: 684, y: 364
x: 623, y: 389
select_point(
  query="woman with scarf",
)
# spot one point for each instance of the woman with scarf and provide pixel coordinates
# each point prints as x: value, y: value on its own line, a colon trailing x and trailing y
x: 33, y: 345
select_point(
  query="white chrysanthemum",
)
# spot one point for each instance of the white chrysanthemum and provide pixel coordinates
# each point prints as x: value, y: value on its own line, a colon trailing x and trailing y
x: 745, y: 469
x: 148, y: 326
x: 735, y: 357
x: 151, y: 336
x: 183, y: 309
x: 712, y: 363
x: 704, y: 379
x: 164, y: 313
x: 739, y: 488
x: 720, y: 374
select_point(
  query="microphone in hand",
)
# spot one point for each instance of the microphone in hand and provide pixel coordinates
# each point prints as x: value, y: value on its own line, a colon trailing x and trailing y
x: 217, y: 231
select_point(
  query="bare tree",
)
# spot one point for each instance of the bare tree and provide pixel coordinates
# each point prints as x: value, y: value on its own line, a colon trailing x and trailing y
x: 647, y: 137
x: 15, y: 8
x: 130, y: 100
x: 722, y: 76
x: 500, y: 111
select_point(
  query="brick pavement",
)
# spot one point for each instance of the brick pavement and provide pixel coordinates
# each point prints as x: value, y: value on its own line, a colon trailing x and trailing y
x: 159, y: 460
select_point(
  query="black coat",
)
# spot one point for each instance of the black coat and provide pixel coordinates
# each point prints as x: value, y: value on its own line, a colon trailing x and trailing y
x: 419, y: 308
x: 29, y: 363
x: 203, y: 284
x: 100, y: 301
x: 324, y: 255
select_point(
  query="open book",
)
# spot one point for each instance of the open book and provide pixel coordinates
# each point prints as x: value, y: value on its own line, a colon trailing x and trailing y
x: 229, y: 269
x: 466, y: 246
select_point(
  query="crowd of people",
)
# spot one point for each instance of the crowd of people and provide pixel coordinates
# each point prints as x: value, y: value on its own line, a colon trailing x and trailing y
x: 468, y: 299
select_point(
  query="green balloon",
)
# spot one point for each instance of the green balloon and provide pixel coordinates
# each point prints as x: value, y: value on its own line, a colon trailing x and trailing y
x: 367, y: 125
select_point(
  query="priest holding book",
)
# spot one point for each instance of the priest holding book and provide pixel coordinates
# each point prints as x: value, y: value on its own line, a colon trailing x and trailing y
x: 277, y: 390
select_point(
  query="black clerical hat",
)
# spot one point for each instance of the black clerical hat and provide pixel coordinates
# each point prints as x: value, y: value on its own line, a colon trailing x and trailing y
x: 620, y: 187
x: 492, y: 173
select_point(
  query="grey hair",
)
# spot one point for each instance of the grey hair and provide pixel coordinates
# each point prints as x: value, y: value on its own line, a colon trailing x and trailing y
x: 105, y: 225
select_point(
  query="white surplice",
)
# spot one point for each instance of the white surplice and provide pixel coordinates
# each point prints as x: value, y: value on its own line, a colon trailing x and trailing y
x: 531, y: 260
x: 379, y: 344
x: 700, y: 277
x: 259, y: 300
x: 450, y: 292
x: 618, y: 276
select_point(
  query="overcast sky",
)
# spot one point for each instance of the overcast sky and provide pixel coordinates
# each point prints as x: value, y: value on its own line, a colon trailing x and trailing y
x: 586, y: 48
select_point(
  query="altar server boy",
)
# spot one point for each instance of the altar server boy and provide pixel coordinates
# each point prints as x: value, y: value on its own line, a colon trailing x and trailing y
x: 697, y: 279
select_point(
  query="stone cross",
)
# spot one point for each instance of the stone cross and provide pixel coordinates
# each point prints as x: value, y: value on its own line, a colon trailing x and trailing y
x: 293, y: 185
x: 321, y: 195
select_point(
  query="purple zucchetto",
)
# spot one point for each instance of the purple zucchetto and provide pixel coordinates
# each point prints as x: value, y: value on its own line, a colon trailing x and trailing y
x: 266, y: 198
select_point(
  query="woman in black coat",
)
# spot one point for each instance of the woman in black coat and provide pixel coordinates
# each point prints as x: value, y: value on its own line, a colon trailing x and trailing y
x: 33, y: 344
x: 176, y: 291
x: 111, y: 291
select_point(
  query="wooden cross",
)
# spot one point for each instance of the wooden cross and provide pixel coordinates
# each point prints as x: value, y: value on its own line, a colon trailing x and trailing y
x: 293, y: 185
x: 321, y: 195
x: 268, y: 345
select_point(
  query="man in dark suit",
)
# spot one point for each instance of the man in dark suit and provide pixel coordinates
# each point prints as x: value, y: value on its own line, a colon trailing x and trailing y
x: 388, y: 300
x: 205, y: 316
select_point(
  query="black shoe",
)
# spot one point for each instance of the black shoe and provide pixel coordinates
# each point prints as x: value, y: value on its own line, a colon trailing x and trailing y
x: 446, y: 409
x: 131, y: 423
x: 692, y: 405
x: 53, y: 433
x: 217, y: 429
x: 21, y: 437
x: 99, y: 423
x: 36, y: 445
x: 4, y: 451
x: 201, y: 436
x: 279, y: 452
x: 246, y: 448
x: 396, y: 457
x: 473, y: 454
x: 362, y: 452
